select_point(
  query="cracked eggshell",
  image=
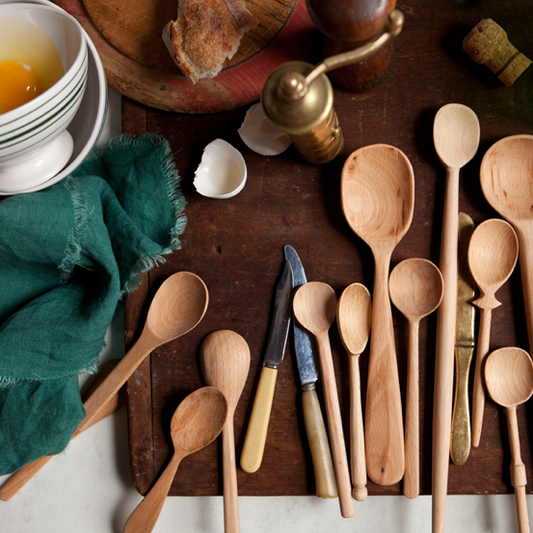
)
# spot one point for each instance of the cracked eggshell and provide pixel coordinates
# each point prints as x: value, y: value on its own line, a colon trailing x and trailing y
x: 260, y: 135
x: 222, y: 172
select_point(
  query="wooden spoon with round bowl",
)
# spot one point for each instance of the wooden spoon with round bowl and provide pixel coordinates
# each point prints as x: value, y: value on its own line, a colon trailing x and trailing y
x: 225, y: 362
x: 509, y: 378
x: 492, y: 256
x: 377, y: 193
x: 197, y: 422
x: 416, y: 287
x: 354, y: 319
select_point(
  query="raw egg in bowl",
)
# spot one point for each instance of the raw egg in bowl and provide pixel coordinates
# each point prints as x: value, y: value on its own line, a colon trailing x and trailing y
x: 43, y: 75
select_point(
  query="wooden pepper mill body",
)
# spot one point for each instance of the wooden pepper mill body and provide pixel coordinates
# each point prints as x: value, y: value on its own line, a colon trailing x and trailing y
x: 349, y: 24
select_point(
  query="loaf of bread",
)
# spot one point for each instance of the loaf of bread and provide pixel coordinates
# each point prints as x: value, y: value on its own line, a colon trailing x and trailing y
x: 206, y: 34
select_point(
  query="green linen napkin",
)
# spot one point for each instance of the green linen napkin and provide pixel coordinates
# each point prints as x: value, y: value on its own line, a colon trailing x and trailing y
x: 67, y: 255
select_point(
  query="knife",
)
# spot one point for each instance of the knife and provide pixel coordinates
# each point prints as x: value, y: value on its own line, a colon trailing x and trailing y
x: 461, y: 435
x: 254, y: 442
x: 326, y: 486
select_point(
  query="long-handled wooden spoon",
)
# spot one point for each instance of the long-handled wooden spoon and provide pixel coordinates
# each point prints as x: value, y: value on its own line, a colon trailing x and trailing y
x: 197, y: 422
x: 225, y: 362
x: 492, y: 256
x: 178, y: 306
x: 315, y: 306
x: 416, y: 288
x: 377, y: 193
x: 509, y: 378
x: 354, y: 319
x: 456, y: 138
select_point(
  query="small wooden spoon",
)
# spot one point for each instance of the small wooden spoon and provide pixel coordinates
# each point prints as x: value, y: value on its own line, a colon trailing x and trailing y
x: 178, y: 306
x: 416, y: 287
x: 225, y: 362
x: 315, y: 305
x: 456, y: 138
x: 354, y: 319
x: 197, y: 422
x: 377, y: 193
x: 509, y: 378
x: 492, y: 256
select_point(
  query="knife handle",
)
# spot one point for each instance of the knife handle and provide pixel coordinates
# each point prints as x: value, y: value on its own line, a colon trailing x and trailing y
x: 254, y: 442
x: 326, y: 486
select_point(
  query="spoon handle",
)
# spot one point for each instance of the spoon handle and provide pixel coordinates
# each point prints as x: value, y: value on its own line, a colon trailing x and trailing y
x: 478, y: 400
x: 144, y: 517
x: 230, y: 487
x: 525, y: 238
x: 336, y: 435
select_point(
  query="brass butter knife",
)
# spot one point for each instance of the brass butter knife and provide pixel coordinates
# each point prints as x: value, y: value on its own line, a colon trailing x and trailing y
x: 461, y: 434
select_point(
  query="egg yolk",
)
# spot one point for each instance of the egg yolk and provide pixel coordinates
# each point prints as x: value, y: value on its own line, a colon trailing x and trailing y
x: 18, y: 85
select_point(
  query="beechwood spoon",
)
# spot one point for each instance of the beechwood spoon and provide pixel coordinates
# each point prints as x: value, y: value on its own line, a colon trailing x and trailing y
x: 197, y: 422
x: 492, y: 256
x: 314, y: 306
x: 456, y: 138
x: 354, y: 319
x: 225, y: 362
x: 178, y: 306
x: 416, y: 288
x: 377, y: 193
x: 509, y: 378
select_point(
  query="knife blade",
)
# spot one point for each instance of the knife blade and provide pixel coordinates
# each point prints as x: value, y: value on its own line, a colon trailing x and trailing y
x: 254, y: 442
x: 461, y: 435
x: 325, y: 483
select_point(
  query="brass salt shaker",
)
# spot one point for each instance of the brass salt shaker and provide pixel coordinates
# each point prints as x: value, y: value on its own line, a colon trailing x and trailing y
x: 297, y: 98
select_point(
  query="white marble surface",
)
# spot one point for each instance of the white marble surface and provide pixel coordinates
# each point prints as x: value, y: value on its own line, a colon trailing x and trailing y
x: 88, y: 488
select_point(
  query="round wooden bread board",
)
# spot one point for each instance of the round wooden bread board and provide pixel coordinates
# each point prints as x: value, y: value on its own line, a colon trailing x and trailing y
x: 127, y: 35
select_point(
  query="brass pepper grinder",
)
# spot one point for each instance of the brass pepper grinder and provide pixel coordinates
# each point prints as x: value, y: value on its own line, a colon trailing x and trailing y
x: 349, y: 24
x: 297, y: 98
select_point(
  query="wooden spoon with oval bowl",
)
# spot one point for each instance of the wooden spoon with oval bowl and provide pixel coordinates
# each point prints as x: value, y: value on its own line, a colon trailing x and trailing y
x: 509, y: 378
x: 178, y: 306
x: 377, y: 193
x: 416, y: 287
x: 354, y: 319
x: 225, y: 362
x: 315, y: 307
x: 492, y: 256
x: 197, y: 422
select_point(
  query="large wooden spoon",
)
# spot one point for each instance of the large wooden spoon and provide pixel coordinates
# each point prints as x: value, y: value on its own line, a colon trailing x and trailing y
x: 509, y: 378
x: 377, y: 193
x: 225, y: 362
x: 456, y: 137
x: 492, y: 256
x: 178, y: 306
x: 354, y: 319
x: 315, y: 305
x: 197, y: 422
x: 416, y: 287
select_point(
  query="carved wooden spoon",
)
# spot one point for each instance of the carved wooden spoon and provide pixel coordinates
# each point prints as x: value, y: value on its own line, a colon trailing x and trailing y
x: 377, y: 193
x: 197, y: 422
x: 416, y: 288
x: 225, y: 361
x: 354, y: 319
x: 492, y: 256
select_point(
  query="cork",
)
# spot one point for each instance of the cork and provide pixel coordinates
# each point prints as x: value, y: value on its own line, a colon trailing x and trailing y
x: 487, y: 44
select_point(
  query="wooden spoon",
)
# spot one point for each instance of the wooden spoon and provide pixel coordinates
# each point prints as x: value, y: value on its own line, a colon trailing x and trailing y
x: 492, y: 256
x: 178, y: 306
x: 197, y: 422
x: 225, y: 361
x: 509, y: 378
x: 416, y: 287
x: 315, y: 305
x: 377, y: 193
x: 354, y: 319
x: 456, y: 137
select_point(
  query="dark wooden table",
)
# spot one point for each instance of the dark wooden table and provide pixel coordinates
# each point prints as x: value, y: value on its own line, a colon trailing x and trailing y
x: 235, y: 246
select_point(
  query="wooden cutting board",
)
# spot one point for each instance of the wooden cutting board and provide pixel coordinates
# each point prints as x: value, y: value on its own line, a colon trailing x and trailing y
x: 127, y: 35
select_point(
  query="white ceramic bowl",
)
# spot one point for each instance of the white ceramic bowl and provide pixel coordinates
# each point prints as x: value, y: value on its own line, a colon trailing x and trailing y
x: 34, y: 143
